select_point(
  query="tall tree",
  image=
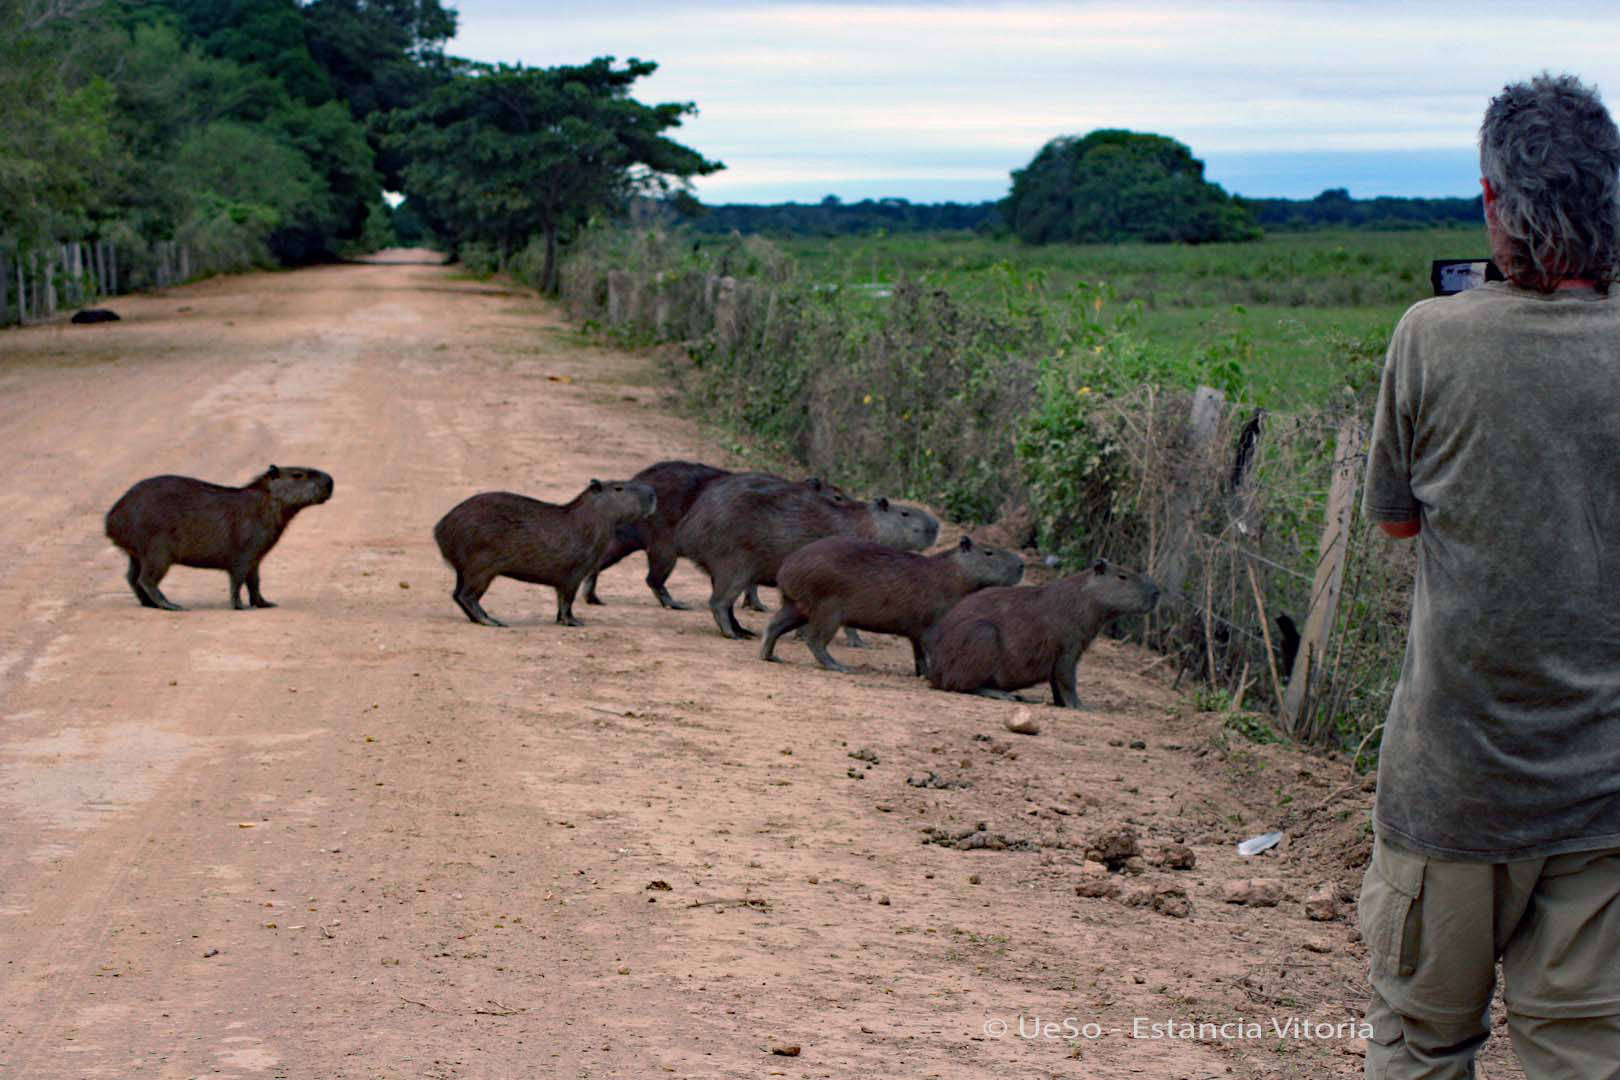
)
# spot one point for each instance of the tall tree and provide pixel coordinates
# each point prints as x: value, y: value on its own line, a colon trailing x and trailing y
x: 510, y: 152
x: 1116, y: 185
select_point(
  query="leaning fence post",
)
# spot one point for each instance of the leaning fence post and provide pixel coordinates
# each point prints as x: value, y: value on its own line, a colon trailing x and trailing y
x: 1329, y: 577
x: 1180, y: 522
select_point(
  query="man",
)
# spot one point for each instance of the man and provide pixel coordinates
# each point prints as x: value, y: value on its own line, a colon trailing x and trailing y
x: 1496, y: 446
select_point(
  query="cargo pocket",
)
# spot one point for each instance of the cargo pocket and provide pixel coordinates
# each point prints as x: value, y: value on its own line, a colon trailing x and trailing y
x: 1389, y: 910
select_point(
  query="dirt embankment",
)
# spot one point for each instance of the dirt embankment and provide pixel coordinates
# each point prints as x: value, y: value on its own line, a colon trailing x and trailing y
x: 358, y: 836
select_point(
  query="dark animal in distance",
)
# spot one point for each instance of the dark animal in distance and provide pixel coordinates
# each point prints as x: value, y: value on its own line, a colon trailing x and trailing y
x: 95, y: 315
x: 842, y: 582
x: 742, y: 528
x: 502, y: 534
x: 167, y: 520
x: 1000, y: 640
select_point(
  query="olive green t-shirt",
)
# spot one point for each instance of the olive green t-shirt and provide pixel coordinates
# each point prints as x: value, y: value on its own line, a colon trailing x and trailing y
x: 1498, y: 425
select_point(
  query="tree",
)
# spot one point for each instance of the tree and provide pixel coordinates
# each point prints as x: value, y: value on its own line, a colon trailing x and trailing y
x: 1117, y: 185
x: 505, y: 153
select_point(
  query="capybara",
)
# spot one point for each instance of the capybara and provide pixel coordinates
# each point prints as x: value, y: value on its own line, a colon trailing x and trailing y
x: 677, y: 484
x: 842, y: 582
x: 999, y: 640
x: 742, y: 527
x: 95, y: 315
x: 165, y: 520
x: 500, y: 534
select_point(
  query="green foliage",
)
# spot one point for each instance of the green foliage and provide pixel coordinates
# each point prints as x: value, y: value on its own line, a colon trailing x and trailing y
x: 1116, y: 185
x: 236, y: 127
x: 508, y: 152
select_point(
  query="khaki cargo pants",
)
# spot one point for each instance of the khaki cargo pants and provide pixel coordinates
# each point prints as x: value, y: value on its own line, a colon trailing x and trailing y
x: 1435, y: 930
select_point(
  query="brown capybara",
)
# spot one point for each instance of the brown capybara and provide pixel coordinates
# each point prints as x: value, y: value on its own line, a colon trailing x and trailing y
x: 842, y: 582
x: 168, y: 520
x: 677, y: 484
x: 1000, y: 640
x: 742, y: 528
x: 500, y: 534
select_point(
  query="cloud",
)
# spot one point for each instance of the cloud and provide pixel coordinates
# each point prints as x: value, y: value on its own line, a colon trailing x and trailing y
x: 965, y: 92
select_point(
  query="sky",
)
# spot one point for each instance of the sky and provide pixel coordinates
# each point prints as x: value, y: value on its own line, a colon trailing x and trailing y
x: 934, y: 101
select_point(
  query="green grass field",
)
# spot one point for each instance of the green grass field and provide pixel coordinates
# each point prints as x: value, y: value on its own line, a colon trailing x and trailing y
x: 1286, y: 311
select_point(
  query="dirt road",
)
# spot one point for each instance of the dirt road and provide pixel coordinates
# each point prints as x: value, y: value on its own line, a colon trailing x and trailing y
x: 358, y: 836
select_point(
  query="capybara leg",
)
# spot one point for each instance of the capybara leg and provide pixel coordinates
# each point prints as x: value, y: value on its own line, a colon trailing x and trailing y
x: 790, y: 617
x: 660, y: 564
x: 751, y: 600
x: 853, y: 637
x: 255, y: 597
x: 467, y: 594
x: 1063, y: 692
x: 590, y: 591
x: 727, y: 587
x: 992, y: 692
x: 919, y: 657
x: 565, y: 606
x: 134, y: 579
x: 817, y: 635
x: 152, y: 571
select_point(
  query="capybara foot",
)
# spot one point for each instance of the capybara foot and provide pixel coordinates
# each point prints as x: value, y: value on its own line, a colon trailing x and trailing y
x: 853, y: 638
x: 999, y: 695
x: 568, y: 620
x: 262, y: 602
x: 592, y: 598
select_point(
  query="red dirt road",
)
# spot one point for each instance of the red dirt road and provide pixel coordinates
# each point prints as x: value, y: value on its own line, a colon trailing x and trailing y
x: 358, y: 836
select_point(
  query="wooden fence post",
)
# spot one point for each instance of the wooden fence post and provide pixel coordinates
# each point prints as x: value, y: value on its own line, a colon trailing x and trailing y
x: 1329, y: 578
x: 725, y: 313
x: 1175, y: 557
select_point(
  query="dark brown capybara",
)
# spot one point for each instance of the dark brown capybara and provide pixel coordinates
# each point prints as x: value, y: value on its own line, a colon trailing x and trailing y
x: 841, y: 582
x: 167, y: 520
x: 742, y: 528
x: 1000, y: 640
x: 501, y: 534
x: 677, y: 484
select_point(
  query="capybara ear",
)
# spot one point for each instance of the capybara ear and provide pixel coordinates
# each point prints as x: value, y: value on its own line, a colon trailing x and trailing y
x: 596, y: 485
x: 272, y: 472
x: 881, y: 503
x: 1100, y: 566
x: 966, y: 543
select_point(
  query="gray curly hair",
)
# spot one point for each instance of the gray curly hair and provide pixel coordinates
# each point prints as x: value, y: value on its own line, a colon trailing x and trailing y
x: 1552, y: 155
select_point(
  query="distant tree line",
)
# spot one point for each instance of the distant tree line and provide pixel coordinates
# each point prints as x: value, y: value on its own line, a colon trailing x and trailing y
x: 1335, y: 208
x: 1106, y: 187
x: 833, y: 217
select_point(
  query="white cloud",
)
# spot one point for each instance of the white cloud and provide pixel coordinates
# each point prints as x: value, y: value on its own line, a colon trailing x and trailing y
x: 904, y: 90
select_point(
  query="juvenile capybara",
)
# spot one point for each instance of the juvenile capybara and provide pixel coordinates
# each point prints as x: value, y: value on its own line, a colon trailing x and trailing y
x: 1000, y: 640
x: 168, y: 520
x: 841, y: 582
x: 677, y: 484
x: 500, y: 534
x: 742, y: 528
